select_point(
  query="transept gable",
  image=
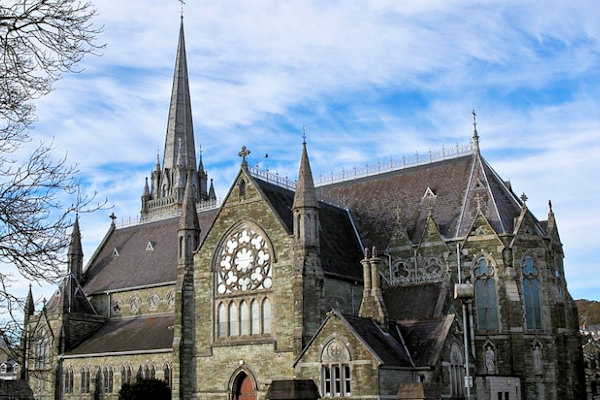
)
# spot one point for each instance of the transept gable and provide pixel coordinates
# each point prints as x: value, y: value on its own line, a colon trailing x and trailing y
x: 527, y: 229
x: 480, y: 230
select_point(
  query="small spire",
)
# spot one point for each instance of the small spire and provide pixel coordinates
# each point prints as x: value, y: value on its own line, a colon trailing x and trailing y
x: 475, y: 134
x: 200, y: 163
x: 550, y: 206
x: 29, y: 305
x: 189, y: 216
x: 211, y: 192
x: 157, y: 165
x: 146, y: 189
x: 306, y: 195
x: 244, y: 153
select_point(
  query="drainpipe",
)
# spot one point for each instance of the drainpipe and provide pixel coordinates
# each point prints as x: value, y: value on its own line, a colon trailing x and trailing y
x: 465, y: 293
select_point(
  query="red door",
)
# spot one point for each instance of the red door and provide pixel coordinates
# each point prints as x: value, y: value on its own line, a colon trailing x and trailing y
x: 245, y: 391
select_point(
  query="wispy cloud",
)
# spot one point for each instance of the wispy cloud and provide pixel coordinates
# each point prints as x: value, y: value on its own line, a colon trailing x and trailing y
x: 371, y: 79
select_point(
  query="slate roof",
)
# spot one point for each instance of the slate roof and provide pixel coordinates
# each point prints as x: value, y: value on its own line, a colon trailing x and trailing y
x: 298, y: 389
x: 414, y: 301
x: 425, y: 338
x: 15, y: 389
x: 135, y: 265
x: 374, y: 200
x: 384, y: 345
x: 340, y: 249
x: 129, y: 334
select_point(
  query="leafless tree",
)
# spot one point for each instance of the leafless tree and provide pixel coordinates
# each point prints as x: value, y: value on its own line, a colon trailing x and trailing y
x: 39, y: 193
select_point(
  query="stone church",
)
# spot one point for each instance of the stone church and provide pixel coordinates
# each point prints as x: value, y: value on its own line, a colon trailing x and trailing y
x: 426, y: 281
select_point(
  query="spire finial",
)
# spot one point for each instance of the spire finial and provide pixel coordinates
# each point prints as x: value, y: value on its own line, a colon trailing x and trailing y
x: 550, y: 205
x: 475, y: 135
x: 244, y: 153
x: 524, y: 199
x: 113, y: 217
x: 304, y: 134
x: 181, y: 7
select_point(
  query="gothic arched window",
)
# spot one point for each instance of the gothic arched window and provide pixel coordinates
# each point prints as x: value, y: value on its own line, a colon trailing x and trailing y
x: 485, y: 296
x: 336, y: 374
x: 244, y: 278
x: 531, y: 294
x: 167, y: 374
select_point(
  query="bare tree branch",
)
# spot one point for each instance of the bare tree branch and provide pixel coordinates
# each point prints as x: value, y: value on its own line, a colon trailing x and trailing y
x: 39, y: 41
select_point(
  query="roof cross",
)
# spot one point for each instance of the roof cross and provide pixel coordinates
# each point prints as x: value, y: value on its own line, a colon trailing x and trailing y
x: 524, y: 199
x: 113, y: 217
x: 244, y: 153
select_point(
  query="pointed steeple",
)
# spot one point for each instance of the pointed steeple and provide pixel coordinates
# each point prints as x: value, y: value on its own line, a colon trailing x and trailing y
x: 200, y: 163
x: 306, y: 195
x: 29, y: 305
x: 146, y: 189
x: 180, y: 124
x: 189, y: 216
x: 75, y: 254
x: 211, y: 192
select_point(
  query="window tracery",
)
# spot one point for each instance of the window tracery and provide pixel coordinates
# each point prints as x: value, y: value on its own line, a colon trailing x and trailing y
x: 336, y: 374
x: 430, y: 269
x: 531, y: 294
x: 485, y: 295
x: 244, y: 278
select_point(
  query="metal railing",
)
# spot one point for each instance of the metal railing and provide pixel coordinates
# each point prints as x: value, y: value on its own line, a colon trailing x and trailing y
x: 379, y: 167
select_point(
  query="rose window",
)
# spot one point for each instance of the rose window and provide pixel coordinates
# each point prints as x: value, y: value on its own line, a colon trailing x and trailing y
x: 244, y: 263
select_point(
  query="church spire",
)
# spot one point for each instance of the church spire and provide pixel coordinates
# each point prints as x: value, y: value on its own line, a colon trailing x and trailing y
x: 180, y: 125
x: 75, y: 254
x: 305, y: 188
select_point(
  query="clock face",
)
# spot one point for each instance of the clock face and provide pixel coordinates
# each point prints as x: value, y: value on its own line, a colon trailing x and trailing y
x: 244, y: 263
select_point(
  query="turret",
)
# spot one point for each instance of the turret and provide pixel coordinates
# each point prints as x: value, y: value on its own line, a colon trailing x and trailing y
x: 305, y: 208
x: 75, y: 253
x: 307, y: 256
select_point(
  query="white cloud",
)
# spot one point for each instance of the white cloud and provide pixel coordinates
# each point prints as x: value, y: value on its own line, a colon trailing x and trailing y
x: 370, y: 79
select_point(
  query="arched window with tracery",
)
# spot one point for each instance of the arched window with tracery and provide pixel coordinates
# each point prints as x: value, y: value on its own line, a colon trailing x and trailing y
x: 336, y: 372
x: 244, y: 281
x: 531, y: 294
x: 42, y: 350
x: 485, y: 295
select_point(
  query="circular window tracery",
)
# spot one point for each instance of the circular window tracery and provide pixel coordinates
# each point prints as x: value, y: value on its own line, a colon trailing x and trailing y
x: 244, y: 263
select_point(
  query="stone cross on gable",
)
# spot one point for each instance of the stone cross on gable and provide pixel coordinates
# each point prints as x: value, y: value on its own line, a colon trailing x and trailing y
x: 244, y: 153
x: 524, y: 199
x: 113, y: 217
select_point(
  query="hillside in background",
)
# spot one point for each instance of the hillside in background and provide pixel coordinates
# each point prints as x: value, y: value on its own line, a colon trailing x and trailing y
x: 589, y: 311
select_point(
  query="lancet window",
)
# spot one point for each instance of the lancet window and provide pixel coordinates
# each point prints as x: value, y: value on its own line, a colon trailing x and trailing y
x: 68, y: 380
x: 85, y: 380
x: 485, y: 295
x: 531, y: 294
x: 244, y: 280
x: 336, y: 372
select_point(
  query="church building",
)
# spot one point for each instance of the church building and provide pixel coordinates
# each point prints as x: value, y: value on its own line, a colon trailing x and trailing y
x: 430, y: 280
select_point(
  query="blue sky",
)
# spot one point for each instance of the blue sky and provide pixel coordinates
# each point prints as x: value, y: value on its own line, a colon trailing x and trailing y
x: 370, y: 79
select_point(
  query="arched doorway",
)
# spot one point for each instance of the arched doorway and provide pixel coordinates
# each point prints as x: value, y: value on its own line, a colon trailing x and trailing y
x: 244, y: 388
